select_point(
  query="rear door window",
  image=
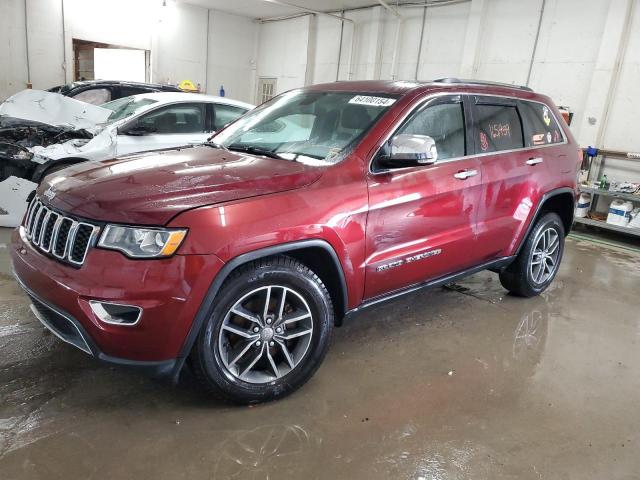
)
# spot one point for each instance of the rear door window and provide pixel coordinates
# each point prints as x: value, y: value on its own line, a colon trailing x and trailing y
x: 540, y: 126
x: 126, y: 91
x: 224, y: 114
x: 497, y: 128
x: 176, y: 119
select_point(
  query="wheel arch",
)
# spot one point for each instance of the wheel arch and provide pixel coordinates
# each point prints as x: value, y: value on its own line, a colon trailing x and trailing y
x: 561, y: 201
x: 44, y: 169
x: 317, y: 254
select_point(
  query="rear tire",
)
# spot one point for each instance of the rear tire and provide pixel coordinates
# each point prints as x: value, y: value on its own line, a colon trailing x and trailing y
x: 275, y: 343
x: 537, y: 264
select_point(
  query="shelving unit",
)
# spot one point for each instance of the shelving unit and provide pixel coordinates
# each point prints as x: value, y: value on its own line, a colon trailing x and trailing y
x: 595, y: 192
x: 599, y: 223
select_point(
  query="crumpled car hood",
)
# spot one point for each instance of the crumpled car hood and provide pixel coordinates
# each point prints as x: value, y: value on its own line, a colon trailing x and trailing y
x: 54, y: 109
x: 151, y: 188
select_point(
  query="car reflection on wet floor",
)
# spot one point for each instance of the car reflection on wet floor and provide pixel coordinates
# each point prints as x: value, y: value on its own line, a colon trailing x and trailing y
x: 459, y: 382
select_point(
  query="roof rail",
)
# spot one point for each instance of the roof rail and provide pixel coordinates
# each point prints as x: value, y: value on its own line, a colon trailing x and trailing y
x: 481, y: 82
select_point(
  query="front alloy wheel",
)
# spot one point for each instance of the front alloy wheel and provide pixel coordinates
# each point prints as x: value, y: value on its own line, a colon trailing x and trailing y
x: 267, y: 334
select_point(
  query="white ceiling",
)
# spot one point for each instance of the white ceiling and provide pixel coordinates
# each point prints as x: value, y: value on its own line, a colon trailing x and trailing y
x: 265, y: 9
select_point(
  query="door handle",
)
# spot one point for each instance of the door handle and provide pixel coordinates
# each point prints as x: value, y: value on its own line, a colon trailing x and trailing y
x: 534, y: 161
x: 464, y: 174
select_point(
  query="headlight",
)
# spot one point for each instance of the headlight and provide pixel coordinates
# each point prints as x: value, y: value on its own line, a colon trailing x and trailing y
x: 23, y: 155
x: 80, y: 142
x: 15, y: 152
x: 142, y: 242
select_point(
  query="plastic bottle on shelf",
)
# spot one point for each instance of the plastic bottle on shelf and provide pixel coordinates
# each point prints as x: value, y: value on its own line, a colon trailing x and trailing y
x: 584, y: 205
x: 603, y: 182
x: 619, y: 213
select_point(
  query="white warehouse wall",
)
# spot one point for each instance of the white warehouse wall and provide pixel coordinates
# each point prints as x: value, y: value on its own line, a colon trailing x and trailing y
x: 13, y: 47
x: 283, y: 51
x: 179, y: 45
x: 485, y: 39
x: 574, y: 60
x: 180, y: 38
x: 232, y: 55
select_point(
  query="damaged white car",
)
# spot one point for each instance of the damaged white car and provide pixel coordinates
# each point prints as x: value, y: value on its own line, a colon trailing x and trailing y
x: 42, y: 132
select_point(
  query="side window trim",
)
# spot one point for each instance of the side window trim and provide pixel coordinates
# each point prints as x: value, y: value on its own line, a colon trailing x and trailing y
x: 469, y: 101
x: 209, y: 118
x: 469, y: 119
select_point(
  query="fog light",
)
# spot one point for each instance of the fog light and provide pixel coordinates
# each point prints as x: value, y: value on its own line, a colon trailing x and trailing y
x: 116, y: 313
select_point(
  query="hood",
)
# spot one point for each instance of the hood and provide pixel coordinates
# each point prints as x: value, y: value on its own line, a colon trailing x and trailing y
x: 151, y: 188
x: 53, y: 109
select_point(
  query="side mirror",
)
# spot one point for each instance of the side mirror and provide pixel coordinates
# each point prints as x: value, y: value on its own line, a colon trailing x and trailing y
x: 136, y: 130
x: 412, y: 150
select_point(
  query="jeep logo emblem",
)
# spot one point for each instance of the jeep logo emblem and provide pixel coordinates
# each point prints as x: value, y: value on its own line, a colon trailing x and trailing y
x: 49, y: 193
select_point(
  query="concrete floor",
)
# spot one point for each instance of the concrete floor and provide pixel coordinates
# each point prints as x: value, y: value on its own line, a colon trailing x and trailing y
x: 447, y: 384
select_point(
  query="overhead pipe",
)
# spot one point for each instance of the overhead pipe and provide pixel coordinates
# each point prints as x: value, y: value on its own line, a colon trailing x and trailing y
x: 535, y: 42
x: 396, y: 40
x: 424, y: 21
x: 309, y: 10
x: 340, y: 48
x: 342, y: 18
x: 206, y: 58
x: 26, y: 41
x: 440, y: 3
x: 326, y: 14
x: 64, y: 44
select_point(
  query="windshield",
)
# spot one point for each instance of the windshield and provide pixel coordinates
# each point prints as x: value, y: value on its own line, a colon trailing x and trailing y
x: 125, y: 107
x: 306, y: 126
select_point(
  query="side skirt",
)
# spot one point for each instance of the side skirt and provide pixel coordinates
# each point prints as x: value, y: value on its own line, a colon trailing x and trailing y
x: 494, y: 265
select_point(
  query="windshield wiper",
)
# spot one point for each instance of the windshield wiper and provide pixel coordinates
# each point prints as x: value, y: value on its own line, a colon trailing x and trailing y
x: 214, y: 145
x: 254, y: 151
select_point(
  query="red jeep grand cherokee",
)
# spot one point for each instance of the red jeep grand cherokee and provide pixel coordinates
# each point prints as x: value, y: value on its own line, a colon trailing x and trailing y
x: 240, y: 255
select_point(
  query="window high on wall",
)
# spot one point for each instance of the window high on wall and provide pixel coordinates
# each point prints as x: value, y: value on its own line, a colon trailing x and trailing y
x: 266, y: 89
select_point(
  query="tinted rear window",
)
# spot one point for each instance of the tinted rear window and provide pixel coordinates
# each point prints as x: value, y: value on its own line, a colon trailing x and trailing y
x: 126, y: 91
x: 540, y: 126
x: 498, y: 128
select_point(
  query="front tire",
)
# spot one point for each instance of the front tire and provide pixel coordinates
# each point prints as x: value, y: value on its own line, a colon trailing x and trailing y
x: 268, y: 333
x: 537, y: 264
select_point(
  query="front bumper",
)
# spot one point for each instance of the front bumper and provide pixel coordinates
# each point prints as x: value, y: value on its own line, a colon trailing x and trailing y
x: 169, y: 291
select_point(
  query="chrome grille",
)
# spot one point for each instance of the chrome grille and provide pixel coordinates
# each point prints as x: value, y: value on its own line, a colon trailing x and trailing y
x: 67, y: 239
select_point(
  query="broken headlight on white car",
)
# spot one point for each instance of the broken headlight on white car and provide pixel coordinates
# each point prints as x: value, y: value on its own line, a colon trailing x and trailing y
x: 140, y: 242
x: 10, y: 151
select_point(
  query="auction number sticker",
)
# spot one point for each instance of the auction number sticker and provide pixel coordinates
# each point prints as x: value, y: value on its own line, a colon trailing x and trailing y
x: 372, y: 101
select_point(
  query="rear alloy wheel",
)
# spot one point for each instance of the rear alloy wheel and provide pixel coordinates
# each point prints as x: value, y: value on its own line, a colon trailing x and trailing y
x: 536, y: 265
x: 544, y: 260
x: 268, y: 332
